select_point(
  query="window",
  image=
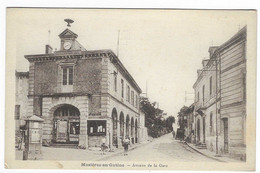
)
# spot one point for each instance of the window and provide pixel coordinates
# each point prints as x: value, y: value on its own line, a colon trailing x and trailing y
x: 210, y: 85
x: 96, y: 127
x: 17, y: 112
x: 203, y: 93
x: 244, y: 86
x: 122, y: 88
x: 132, y: 98
x: 115, y: 81
x: 66, y: 110
x: 67, y: 75
x: 136, y: 100
x: 211, y: 123
x: 128, y: 94
x: 74, y: 128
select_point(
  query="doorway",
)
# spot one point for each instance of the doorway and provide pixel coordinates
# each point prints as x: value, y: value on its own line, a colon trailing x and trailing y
x: 204, y: 130
x: 66, y: 124
x: 114, y: 124
x: 225, y: 124
x: 198, y: 130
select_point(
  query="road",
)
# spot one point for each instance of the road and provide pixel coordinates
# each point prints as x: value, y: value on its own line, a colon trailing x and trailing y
x: 161, y: 149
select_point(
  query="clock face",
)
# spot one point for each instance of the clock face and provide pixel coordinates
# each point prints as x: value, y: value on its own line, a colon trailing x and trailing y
x: 67, y: 45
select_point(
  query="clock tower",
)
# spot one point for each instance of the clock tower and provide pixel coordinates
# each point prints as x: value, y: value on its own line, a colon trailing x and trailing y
x: 69, y: 40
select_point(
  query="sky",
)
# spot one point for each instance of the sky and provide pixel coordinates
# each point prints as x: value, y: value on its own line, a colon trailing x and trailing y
x: 163, y: 48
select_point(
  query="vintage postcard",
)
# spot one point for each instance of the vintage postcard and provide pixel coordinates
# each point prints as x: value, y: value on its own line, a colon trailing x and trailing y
x: 138, y: 89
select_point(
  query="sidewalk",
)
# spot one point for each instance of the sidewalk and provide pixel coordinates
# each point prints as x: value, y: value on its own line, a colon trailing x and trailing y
x: 92, y: 154
x: 121, y: 150
x: 211, y: 155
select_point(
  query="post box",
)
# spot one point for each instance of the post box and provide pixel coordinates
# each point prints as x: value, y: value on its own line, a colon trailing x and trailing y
x: 33, y: 138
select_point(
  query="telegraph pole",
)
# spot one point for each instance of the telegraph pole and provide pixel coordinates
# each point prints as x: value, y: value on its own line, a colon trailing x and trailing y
x: 118, y: 38
x: 216, y: 107
x: 49, y: 35
x: 186, y: 94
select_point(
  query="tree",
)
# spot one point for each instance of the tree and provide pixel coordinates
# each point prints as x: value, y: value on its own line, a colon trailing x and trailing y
x: 154, y: 122
x: 182, y: 117
x: 169, y: 121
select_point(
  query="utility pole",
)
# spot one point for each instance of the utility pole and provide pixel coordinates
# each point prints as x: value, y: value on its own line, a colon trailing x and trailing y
x: 49, y: 35
x: 187, y: 93
x: 216, y: 107
x: 118, y: 38
x: 146, y: 89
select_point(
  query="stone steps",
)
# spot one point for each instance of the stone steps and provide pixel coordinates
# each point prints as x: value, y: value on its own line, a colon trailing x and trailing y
x: 201, y: 146
x: 62, y: 145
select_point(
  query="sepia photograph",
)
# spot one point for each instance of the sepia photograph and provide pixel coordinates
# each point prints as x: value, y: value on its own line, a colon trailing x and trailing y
x: 150, y: 89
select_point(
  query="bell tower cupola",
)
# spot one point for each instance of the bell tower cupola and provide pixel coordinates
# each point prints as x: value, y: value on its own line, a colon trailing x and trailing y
x: 68, y: 40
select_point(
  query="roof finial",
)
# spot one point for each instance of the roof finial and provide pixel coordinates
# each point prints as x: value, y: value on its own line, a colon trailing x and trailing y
x: 69, y: 21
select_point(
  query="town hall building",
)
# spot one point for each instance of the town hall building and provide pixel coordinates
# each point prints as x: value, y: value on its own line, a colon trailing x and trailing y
x: 83, y: 96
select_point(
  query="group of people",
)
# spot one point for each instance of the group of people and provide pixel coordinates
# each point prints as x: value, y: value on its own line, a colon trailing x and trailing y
x: 125, y: 144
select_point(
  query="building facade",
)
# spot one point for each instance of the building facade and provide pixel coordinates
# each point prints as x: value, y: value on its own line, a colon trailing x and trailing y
x: 190, y: 128
x: 232, y: 56
x: 83, y: 96
x: 143, y: 133
x: 21, y: 101
x: 220, y: 98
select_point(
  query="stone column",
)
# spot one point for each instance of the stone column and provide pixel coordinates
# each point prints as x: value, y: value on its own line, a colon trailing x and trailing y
x: 83, y: 107
x: 124, y: 130
x: 48, y: 120
x: 110, y: 132
x: 134, y: 134
x: 119, y: 144
x: 130, y: 132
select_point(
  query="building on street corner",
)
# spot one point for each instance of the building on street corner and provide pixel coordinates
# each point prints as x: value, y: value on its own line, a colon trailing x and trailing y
x: 83, y: 96
x: 220, y: 99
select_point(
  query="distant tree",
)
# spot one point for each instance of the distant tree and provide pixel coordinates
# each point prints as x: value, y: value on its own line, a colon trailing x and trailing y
x: 169, y: 121
x: 182, y: 117
x: 154, y: 121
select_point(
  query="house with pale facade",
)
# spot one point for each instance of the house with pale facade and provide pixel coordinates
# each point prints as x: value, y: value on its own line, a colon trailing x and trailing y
x: 220, y: 98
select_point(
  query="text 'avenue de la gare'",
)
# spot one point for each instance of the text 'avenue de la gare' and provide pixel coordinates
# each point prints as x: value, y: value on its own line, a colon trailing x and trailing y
x: 114, y: 165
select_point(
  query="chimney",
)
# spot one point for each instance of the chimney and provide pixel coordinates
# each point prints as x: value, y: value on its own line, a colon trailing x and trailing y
x: 198, y: 72
x: 48, y: 49
x: 204, y: 62
x: 212, y: 49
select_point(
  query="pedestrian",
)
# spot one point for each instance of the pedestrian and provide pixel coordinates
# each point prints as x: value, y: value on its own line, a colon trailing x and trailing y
x: 20, y: 142
x: 103, y: 145
x: 173, y: 134
x: 20, y: 139
x: 126, y: 143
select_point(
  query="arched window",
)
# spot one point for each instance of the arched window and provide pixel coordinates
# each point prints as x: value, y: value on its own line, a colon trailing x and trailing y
x: 67, y: 110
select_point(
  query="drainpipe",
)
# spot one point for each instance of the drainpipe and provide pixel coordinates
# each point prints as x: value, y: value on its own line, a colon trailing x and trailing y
x: 217, y: 153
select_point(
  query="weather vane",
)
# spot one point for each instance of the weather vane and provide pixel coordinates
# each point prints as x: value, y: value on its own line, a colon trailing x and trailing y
x: 69, y: 21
